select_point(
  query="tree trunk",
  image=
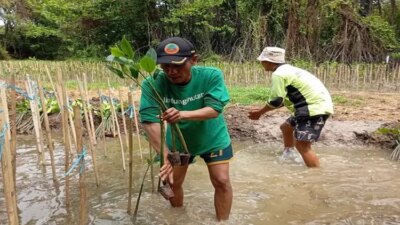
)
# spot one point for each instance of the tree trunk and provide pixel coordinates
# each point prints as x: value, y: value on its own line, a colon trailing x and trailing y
x: 313, y: 26
x: 393, y: 11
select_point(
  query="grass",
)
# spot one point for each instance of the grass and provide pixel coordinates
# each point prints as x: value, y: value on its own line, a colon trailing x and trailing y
x: 259, y: 95
x: 248, y: 95
x: 342, y: 100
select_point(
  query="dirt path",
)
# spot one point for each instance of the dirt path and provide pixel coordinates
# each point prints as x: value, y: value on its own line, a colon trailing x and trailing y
x: 357, y: 116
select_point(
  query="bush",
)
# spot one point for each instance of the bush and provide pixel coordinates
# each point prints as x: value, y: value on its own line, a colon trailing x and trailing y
x: 4, y: 54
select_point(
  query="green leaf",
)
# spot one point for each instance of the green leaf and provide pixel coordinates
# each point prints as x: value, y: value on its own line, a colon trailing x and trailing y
x: 134, y: 72
x: 152, y: 54
x: 125, y: 69
x: 148, y: 64
x: 126, y: 60
x: 127, y: 48
x: 115, y: 51
x: 116, y: 71
x: 120, y: 60
x: 110, y: 58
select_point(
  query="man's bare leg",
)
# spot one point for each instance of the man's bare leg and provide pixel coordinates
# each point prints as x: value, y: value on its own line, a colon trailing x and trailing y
x: 179, y: 177
x: 219, y: 175
x: 309, y: 156
x: 287, y: 134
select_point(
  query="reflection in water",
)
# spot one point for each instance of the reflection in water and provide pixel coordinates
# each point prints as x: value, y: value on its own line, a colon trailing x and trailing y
x: 352, y: 187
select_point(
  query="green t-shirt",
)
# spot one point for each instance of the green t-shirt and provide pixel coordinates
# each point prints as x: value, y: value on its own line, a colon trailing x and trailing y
x: 206, y: 88
x: 302, y: 92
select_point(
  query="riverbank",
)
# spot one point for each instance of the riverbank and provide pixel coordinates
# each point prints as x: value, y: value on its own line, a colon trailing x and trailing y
x: 357, y: 117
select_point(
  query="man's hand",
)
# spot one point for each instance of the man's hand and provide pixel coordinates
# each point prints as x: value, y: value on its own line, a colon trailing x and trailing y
x: 171, y: 115
x: 167, y: 172
x: 255, y: 113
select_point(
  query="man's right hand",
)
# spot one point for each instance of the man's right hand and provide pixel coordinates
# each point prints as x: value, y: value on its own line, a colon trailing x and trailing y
x: 255, y: 113
x: 167, y: 172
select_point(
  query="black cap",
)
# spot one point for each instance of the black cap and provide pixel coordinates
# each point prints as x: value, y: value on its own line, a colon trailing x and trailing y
x: 175, y: 50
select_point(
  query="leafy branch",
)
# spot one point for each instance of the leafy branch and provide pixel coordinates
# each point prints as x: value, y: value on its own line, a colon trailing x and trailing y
x: 124, y: 56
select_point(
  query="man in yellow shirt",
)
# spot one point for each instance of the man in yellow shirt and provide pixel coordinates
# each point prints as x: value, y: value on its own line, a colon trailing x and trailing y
x: 304, y: 95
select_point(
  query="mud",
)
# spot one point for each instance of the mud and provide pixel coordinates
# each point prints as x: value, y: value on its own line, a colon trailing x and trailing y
x: 355, y: 122
x: 340, y: 133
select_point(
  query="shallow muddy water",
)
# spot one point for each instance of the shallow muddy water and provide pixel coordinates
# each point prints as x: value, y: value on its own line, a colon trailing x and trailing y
x: 353, y: 186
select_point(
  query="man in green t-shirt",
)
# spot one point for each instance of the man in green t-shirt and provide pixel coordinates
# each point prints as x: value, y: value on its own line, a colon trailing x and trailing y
x: 195, y: 97
x: 303, y: 94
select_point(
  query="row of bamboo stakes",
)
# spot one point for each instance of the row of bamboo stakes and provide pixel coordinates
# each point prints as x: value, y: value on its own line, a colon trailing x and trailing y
x: 72, y: 138
x: 360, y: 77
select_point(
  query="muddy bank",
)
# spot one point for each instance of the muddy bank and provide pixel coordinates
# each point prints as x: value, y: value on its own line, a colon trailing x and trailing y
x: 354, y: 123
x: 337, y: 132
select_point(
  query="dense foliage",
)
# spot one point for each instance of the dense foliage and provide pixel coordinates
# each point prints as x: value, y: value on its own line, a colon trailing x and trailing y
x: 339, y: 30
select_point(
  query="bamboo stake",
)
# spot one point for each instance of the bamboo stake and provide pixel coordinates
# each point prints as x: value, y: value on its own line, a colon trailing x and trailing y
x: 90, y: 111
x: 371, y: 71
x: 88, y: 128
x: 102, y: 120
x: 6, y: 165
x: 67, y: 107
x: 83, y: 210
x: 67, y: 140
x: 86, y: 110
x: 4, y: 113
x: 50, y: 144
x: 130, y: 140
x: 123, y: 118
x: 71, y: 122
x: 13, y: 128
x: 365, y: 76
x: 36, y: 120
x: 151, y: 168
x: 137, y: 130
x: 52, y: 85
x: 114, y: 115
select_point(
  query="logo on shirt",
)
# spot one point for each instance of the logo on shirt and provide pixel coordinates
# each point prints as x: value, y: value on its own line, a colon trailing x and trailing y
x: 183, y: 101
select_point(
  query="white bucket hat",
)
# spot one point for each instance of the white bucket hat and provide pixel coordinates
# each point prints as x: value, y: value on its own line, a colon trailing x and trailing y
x: 272, y: 54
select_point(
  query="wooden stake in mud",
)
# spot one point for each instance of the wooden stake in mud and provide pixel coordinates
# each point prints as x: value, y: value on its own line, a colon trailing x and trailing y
x: 104, y: 130
x: 151, y: 168
x: 137, y: 130
x: 67, y: 140
x: 114, y: 114
x: 50, y: 144
x: 59, y: 99
x: 89, y: 109
x: 6, y: 163
x: 67, y: 107
x: 71, y: 122
x: 36, y: 119
x: 13, y: 128
x: 130, y: 140
x: 83, y: 210
x: 123, y: 118
x: 88, y: 128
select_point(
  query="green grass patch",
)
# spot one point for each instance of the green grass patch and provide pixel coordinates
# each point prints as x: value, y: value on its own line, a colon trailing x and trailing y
x: 342, y: 100
x: 248, y: 95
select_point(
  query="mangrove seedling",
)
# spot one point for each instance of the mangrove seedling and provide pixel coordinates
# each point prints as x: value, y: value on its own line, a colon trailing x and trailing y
x: 146, y: 68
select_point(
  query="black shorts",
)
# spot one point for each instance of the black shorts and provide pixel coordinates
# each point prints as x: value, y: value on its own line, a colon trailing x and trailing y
x: 216, y: 157
x: 307, y: 128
